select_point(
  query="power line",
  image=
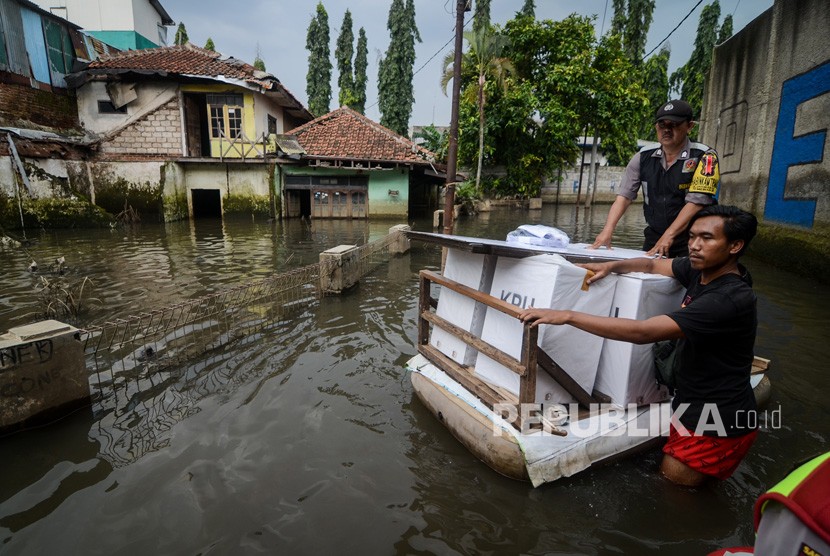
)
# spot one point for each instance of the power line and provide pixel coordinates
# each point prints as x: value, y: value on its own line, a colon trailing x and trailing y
x: 673, y: 30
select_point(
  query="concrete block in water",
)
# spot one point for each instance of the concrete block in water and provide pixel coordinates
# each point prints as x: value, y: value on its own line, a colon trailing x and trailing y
x: 42, y: 373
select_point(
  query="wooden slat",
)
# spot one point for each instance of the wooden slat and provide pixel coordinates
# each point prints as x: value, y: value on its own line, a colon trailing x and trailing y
x: 564, y: 379
x: 481, y: 297
x: 759, y: 365
x: 488, y: 394
x: 527, y: 382
x: 423, y: 309
x: 474, y: 341
x: 466, y: 379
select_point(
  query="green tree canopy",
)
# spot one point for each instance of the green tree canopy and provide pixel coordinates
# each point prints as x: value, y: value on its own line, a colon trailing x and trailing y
x: 689, y: 78
x: 395, y: 94
x: 209, y: 45
x: 318, y: 77
x: 361, y: 64
x: 343, y: 53
x: 484, y: 59
x: 181, y: 35
x: 434, y: 141
x: 565, y: 80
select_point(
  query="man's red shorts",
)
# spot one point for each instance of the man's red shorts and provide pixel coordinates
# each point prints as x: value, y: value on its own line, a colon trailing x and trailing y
x: 716, y: 456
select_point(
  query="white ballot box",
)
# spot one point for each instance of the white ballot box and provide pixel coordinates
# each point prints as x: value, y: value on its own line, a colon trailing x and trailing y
x: 472, y: 270
x: 626, y: 371
x: 545, y: 281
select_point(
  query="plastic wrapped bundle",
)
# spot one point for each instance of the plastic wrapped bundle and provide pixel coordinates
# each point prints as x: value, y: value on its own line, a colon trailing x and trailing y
x: 537, y: 234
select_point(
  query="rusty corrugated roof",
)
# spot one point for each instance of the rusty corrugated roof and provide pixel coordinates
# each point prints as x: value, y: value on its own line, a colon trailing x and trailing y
x: 349, y: 135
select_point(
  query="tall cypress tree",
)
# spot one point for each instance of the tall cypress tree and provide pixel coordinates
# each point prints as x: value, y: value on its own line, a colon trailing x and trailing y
x: 656, y: 86
x: 725, y: 30
x: 395, y: 95
x: 689, y: 78
x: 209, y: 45
x: 318, y: 78
x: 481, y: 19
x: 529, y: 9
x: 631, y: 21
x: 181, y: 35
x: 361, y: 64
x: 343, y: 53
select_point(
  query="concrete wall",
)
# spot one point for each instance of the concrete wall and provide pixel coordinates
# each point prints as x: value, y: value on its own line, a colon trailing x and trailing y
x: 767, y: 110
x: 151, y: 96
x: 608, y: 182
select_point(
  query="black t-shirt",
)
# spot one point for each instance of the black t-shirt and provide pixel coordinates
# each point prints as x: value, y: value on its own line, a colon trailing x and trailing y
x: 719, y: 321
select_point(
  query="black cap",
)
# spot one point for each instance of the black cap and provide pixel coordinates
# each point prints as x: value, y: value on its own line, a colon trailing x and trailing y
x: 674, y: 110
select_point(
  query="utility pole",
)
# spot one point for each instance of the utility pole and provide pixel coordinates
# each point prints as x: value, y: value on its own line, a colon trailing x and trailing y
x: 461, y: 6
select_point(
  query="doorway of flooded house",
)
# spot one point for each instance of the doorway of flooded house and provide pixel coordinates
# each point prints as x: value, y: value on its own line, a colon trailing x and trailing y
x: 196, y: 125
x: 207, y: 203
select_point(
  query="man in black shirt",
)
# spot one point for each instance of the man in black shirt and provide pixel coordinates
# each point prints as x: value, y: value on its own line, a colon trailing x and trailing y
x: 715, y: 328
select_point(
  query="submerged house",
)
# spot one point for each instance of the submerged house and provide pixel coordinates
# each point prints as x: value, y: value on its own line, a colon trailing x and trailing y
x: 187, y: 128
x: 180, y: 131
x: 357, y: 168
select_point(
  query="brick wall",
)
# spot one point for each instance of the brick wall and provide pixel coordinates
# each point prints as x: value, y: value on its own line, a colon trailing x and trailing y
x: 22, y: 106
x: 157, y: 133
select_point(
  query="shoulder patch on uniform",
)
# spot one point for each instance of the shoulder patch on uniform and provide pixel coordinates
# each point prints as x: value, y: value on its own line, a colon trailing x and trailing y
x: 689, y: 165
x: 707, y: 175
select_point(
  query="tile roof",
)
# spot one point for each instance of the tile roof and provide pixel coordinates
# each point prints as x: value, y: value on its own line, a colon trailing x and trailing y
x: 190, y: 60
x: 347, y: 134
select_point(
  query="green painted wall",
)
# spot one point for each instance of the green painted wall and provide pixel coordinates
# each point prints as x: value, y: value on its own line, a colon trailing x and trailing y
x: 381, y: 201
x: 125, y: 40
x: 381, y: 182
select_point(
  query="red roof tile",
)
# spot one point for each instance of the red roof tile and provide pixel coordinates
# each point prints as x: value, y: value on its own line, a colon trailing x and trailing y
x: 347, y: 134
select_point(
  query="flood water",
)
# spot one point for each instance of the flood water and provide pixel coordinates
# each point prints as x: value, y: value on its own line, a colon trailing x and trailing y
x: 307, y: 438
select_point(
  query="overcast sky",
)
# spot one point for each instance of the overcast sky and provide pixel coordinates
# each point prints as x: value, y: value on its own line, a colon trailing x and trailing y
x: 279, y: 28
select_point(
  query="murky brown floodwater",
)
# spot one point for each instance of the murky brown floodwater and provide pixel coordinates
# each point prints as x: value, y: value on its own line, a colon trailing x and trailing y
x: 306, y: 438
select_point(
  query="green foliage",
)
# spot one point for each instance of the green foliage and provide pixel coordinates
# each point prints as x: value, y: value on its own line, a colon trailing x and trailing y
x: 689, y: 78
x: 318, y: 77
x: 343, y: 54
x: 631, y: 22
x: 435, y: 141
x: 395, y: 94
x: 209, y: 45
x: 481, y: 17
x: 361, y: 64
x: 565, y: 81
x: 656, y: 85
x: 725, y: 29
x: 466, y: 195
x: 528, y: 9
x: 181, y: 35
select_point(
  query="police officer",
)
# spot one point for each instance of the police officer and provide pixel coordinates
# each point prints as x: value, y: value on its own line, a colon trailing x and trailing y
x: 678, y: 178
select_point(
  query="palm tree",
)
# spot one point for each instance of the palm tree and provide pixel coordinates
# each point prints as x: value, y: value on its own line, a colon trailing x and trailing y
x: 484, y: 56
